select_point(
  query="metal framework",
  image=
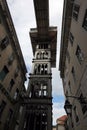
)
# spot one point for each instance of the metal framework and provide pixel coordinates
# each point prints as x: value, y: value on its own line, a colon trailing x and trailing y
x: 38, y: 112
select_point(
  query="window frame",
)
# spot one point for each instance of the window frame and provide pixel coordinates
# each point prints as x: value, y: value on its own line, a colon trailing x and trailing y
x: 2, y: 107
x: 79, y: 54
x: 3, y: 73
x: 75, y: 12
x: 4, y: 42
x: 71, y: 38
x: 11, y: 84
x: 11, y: 59
x: 84, y: 24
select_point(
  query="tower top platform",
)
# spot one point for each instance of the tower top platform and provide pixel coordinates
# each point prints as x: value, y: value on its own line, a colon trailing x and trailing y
x: 43, y: 33
x: 50, y: 39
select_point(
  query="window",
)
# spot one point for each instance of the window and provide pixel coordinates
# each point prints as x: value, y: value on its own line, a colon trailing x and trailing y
x: 43, y: 91
x: 11, y: 84
x: 16, y: 94
x: 46, y: 69
x: 84, y: 25
x: 37, y: 46
x: 2, y: 106
x: 75, y: 11
x: 39, y: 90
x: 35, y: 69
x: 43, y: 46
x: 41, y: 69
x: 71, y: 38
x: 83, y: 104
x: 73, y: 73
x: 4, y: 42
x: 10, y: 59
x: 79, y: 54
x: 3, y: 73
x: 76, y: 114
x: 16, y: 72
x: 38, y: 56
x: 41, y: 55
x: 46, y: 55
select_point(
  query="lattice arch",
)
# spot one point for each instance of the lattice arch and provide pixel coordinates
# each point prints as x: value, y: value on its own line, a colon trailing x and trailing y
x: 41, y: 69
x: 42, y: 55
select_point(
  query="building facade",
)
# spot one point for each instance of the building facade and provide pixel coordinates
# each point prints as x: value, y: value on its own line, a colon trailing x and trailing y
x: 73, y: 61
x: 61, y: 123
x: 38, y: 102
x: 54, y: 127
x: 12, y: 71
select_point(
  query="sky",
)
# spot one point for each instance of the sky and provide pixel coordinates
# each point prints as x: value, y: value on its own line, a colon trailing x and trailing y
x: 23, y: 15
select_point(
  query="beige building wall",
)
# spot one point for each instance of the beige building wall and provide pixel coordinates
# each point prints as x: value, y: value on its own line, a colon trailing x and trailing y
x: 61, y: 123
x: 73, y: 61
x: 12, y: 71
x: 60, y: 127
x: 54, y: 128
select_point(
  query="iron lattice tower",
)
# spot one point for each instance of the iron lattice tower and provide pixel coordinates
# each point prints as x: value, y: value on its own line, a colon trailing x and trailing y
x: 43, y: 40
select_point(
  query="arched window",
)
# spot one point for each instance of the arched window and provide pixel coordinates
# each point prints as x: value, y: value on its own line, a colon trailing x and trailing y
x: 39, y: 67
x: 46, y: 55
x: 46, y: 67
x: 35, y: 69
x: 42, y: 69
x: 37, y: 46
x: 38, y: 55
x: 41, y: 55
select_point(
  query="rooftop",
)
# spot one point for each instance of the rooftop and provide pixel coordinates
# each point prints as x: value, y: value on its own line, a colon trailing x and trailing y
x: 61, y: 120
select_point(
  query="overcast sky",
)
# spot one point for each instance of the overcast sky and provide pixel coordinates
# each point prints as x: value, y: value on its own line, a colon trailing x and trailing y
x: 23, y: 16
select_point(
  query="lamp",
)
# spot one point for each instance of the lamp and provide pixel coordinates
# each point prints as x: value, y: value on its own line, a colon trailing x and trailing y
x: 68, y: 107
